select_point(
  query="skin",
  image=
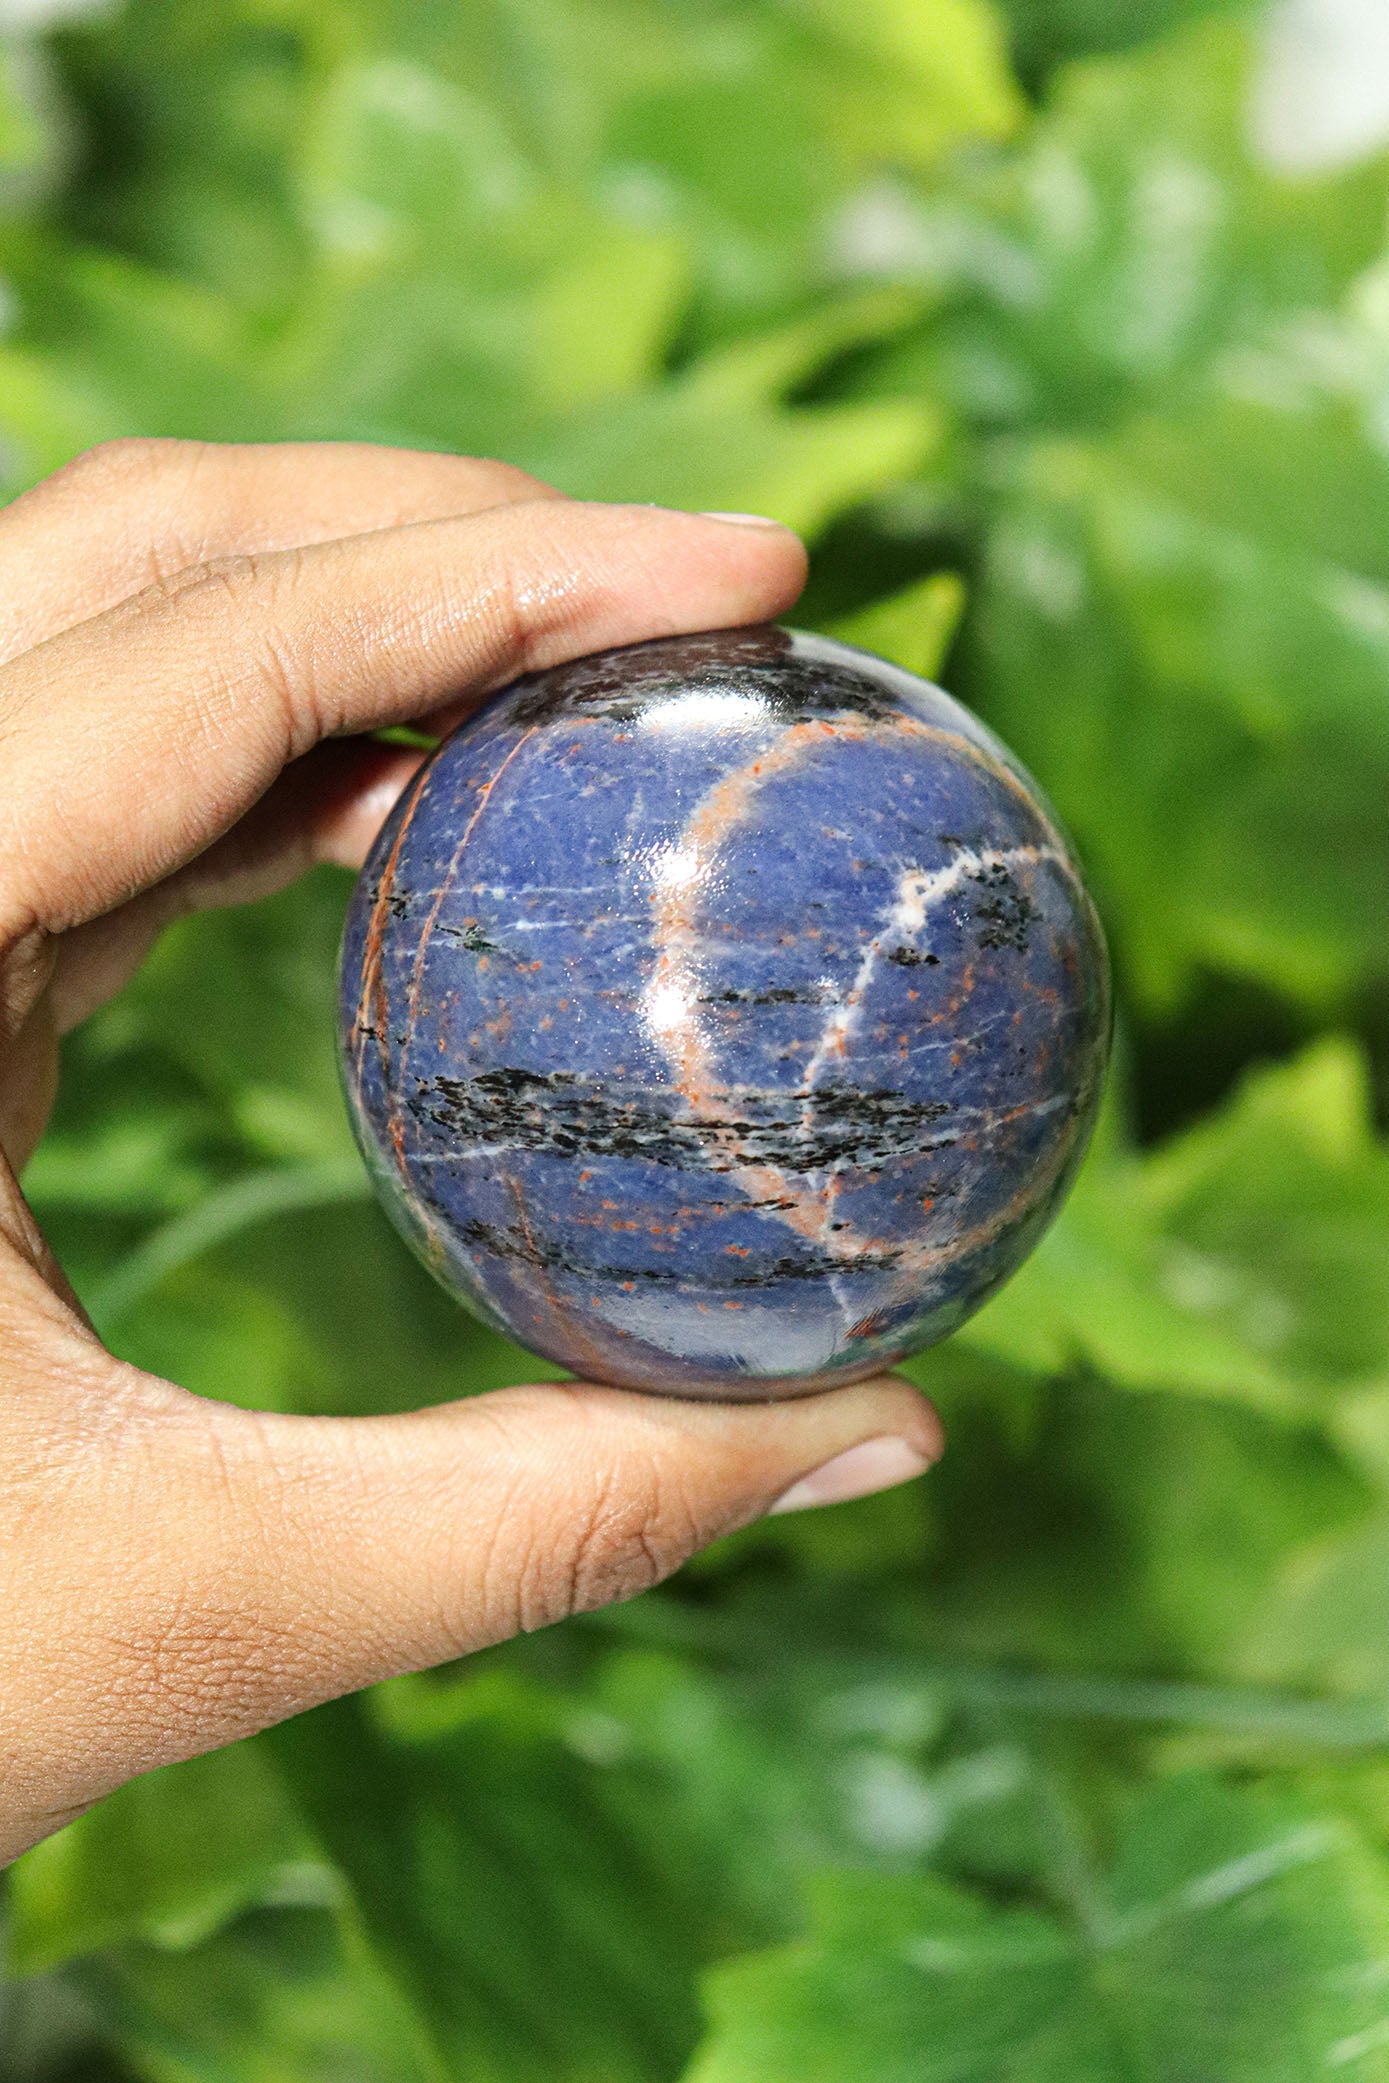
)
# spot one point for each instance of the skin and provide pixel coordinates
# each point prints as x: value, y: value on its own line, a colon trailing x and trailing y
x: 193, y: 640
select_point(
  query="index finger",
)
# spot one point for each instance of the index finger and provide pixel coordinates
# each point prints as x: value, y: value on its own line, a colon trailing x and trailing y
x: 131, y: 512
x: 131, y: 742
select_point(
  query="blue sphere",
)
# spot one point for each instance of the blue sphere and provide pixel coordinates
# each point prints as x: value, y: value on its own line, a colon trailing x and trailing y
x: 723, y: 1015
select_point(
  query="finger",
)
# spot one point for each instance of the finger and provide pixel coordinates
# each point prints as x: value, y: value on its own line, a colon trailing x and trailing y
x: 29, y: 1084
x: 37, y: 1305
x: 135, y: 740
x: 131, y: 513
x: 284, y: 1561
x: 326, y: 807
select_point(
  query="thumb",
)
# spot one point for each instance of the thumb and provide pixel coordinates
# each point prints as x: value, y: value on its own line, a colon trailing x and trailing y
x: 219, y: 1570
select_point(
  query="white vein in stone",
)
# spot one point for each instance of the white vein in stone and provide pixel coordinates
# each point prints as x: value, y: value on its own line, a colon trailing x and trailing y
x: 917, y: 894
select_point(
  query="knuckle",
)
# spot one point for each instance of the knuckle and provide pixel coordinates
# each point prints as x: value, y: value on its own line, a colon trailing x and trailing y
x: 290, y: 678
x: 245, y: 598
x: 625, y: 1540
x: 27, y: 958
x: 526, y: 591
x: 235, y: 575
x: 236, y: 580
x: 223, y: 581
x: 113, y: 466
x: 504, y: 613
x: 512, y: 481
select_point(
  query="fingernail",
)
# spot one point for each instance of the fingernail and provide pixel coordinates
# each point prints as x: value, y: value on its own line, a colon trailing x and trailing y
x: 874, y: 1464
x: 743, y: 520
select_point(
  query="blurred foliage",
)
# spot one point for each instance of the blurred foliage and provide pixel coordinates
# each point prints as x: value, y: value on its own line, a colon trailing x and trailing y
x: 1074, y: 1762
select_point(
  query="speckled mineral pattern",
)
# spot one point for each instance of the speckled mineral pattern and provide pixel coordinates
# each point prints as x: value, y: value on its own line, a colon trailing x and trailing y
x: 723, y: 1015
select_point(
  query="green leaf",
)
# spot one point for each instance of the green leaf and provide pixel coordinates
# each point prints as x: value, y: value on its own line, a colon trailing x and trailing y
x: 766, y: 365
x: 604, y: 320
x: 280, y: 1996
x: 33, y: 126
x: 540, y: 1937
x: 255, y: 1198
x: 143, y: 1160
x: 245, y: 1002
x: 722, y: 436
x: 1075, y: 1529
x: 1291, y: 1182
x: 1181, y: 623
x: 809, y: 1759
x: 1246, y: 1258
x: 450, y: 264
x: 168, y: 1860
x: 1325, y: 1621
x: 313, y: 1305
x: 216, y: 1330
x: 800, y: 466
x: 905, y: 79
x: 1184, y: 630
x: 46, y: 418
x: 154, y: 354
x: 1135, y: 238
x: 1236, y: 1939
x: 1047, y: 32
x: 914, y: 628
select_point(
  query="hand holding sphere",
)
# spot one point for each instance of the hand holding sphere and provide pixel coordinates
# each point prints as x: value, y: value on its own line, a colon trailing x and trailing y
x: 180, y: 1571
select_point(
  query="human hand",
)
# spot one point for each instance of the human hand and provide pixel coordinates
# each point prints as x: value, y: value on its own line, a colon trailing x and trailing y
x: 192, y: 641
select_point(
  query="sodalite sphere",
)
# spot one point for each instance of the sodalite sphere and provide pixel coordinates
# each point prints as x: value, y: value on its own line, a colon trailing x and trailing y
x: 723, y: 1015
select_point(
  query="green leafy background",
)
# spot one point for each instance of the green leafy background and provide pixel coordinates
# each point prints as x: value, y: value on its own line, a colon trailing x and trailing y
x: 1072, y: 1763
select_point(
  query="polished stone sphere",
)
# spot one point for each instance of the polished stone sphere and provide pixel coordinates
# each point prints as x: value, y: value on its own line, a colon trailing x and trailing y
x: 723, y: 1015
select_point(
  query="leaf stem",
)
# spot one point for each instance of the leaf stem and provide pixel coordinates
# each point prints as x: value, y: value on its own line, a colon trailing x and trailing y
x: 1320, y: 1723
x: 221, y: 1216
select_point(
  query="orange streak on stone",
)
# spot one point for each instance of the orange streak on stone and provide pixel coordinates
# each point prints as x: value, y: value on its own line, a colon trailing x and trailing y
x: 582, y: 1345
x: 373, y: 997
x: 395, y: 1123
x: 806, y: 1210
x: 713, y: 818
